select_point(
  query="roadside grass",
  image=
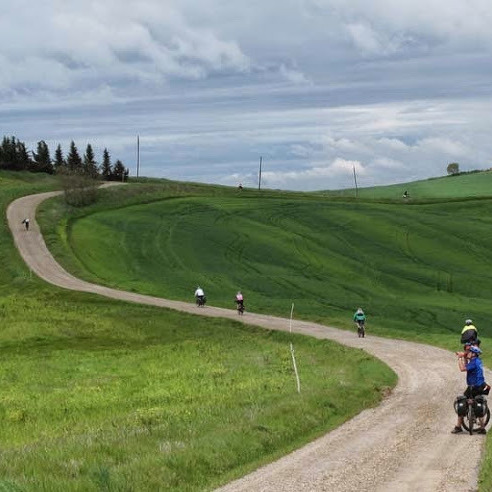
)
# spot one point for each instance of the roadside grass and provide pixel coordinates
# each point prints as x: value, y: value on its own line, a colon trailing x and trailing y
x: 144, y: 400
x: 106, y: 395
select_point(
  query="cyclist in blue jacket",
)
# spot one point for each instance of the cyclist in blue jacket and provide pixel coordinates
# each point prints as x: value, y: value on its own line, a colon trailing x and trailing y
x: 471, y: 363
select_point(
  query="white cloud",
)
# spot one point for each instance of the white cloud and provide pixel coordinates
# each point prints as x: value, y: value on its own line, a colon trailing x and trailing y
x: 387, y: 163
x: 343, y: 166
x: 442, y: 145
x: 387, y: 25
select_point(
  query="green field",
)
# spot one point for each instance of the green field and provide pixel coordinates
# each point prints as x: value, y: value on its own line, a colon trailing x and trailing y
x: 418, y: 270
x: 106, y: 395
x: 418, y: 266
x: 466, y: 185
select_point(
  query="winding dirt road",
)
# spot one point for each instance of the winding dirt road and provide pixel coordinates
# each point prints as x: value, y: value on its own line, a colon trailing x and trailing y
x: 405, y: 444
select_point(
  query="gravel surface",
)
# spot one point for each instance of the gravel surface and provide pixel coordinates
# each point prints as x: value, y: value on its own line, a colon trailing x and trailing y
x: 404, y: 444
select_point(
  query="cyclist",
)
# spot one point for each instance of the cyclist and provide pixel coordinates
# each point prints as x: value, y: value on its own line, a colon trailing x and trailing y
x: 240, y: 301
x: 199, y: 296
x: 360, y: 318
x: 239, y: 298
x: 469, y: 333
x: 471, y: 363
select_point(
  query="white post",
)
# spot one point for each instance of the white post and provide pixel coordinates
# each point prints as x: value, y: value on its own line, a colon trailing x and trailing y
x: 293, y: 355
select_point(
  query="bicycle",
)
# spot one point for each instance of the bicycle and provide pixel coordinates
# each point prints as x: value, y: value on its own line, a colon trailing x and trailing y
x: 361, y: 329
x: 471, y: 419
x: 240, y: 307
x: 200, y: 301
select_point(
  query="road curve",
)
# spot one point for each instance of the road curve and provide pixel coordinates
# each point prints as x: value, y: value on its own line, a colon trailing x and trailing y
x: 404, y: 444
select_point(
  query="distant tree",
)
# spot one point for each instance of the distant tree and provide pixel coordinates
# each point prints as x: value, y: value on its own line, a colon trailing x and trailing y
x: 79, y: 185
x: 453, y: 168
x: 7, y: 153
x: 79, y: 189
x: 106, y: 168
x: 120, y: 173
x: 59, y: 163
x: 90, y: 165
x: 14, y: 155
x: 74, y: 162
x: 22, y: 162
x: 42, y: 160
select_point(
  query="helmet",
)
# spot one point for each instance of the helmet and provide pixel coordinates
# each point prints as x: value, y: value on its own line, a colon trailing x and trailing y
x: 475, y: 350
x: 468, y: 322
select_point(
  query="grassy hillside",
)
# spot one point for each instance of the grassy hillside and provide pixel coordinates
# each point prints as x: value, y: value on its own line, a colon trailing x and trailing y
x: 477, y: 184
x: 418, y: 270
x: 103, y: 395
x: 419, y: 267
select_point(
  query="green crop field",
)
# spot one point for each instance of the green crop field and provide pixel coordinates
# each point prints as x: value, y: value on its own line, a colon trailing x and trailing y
x: 466, y: 185
x: 105, y: 395
x: 418, y: 266
x: 418, y: 270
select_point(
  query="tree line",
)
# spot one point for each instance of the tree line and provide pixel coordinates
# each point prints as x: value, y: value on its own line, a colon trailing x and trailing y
x: 15, y: 156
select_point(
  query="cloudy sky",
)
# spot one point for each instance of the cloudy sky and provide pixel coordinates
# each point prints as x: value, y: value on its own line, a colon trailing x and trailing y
x: 398, y: 89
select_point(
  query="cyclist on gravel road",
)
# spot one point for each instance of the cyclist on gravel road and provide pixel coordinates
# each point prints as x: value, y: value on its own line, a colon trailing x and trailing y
x: 359, y: 317
x: 469, y: 333
x: 471, y: 363
x: 199, y: 296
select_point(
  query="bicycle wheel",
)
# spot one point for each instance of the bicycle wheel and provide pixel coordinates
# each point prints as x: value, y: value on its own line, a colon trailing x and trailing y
x: 469, y: 420
x: 486, y: 417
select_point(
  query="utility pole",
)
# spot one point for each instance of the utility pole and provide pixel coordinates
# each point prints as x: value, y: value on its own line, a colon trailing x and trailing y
x: 355, y: 180
x: 259, y: 175
x: 138, y: 154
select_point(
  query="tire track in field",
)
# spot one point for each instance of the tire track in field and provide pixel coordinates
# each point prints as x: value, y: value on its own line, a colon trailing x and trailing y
x: 404, y: 444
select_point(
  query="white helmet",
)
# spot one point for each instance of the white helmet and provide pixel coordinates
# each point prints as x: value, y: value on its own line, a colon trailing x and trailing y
x: 468, y: 322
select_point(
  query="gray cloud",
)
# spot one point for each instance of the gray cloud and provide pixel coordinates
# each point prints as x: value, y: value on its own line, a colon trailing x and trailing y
x: 316, y: 87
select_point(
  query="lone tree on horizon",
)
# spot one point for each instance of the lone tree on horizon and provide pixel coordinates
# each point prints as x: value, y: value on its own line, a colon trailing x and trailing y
x: 453, y: 168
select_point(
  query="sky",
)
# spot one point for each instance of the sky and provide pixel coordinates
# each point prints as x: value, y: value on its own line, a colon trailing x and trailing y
x: 316, y: 88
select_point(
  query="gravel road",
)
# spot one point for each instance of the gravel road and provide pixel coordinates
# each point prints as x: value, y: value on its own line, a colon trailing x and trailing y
x: 404, y: 444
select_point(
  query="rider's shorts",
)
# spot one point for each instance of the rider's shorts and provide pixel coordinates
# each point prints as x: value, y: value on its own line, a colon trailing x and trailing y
x: 473, y: 391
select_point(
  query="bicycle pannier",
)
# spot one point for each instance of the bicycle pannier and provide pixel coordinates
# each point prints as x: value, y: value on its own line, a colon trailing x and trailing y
x: 460, y: 405
x: 480, y: 405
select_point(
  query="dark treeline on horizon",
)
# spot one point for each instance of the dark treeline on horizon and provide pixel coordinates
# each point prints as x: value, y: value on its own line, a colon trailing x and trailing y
x: 14, y: 156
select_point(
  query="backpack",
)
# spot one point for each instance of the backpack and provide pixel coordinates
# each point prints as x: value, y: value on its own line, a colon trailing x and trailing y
x: 468, y: 336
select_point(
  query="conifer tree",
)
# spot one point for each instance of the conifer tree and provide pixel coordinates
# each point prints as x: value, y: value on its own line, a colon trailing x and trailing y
x: 74, y: 162
x: 90, y: 165
x: 120, y: 173
x: 9, y: 154
x: 42, y: 160
x: 22, y: 159
x: 106, y: 168
x: 59, y: 163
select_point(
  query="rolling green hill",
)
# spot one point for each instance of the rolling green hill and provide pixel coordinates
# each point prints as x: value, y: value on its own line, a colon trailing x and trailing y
x: 419, y: 267
x: 104, y: 395
x: 469, y: 185
x: 418, y: 271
